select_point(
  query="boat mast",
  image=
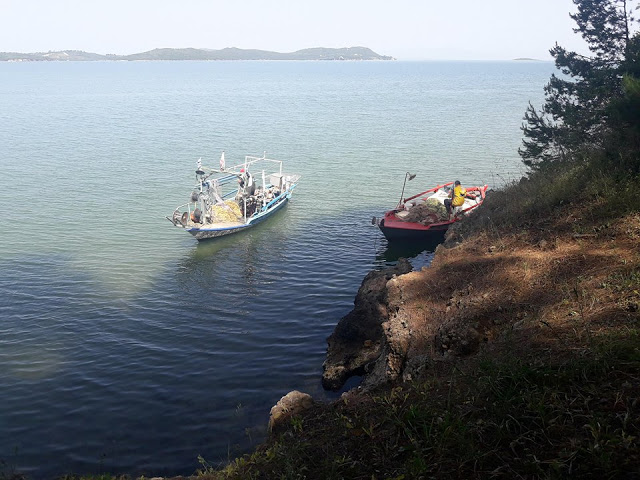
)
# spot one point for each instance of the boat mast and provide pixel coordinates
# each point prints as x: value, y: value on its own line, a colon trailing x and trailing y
x: 410, y: 176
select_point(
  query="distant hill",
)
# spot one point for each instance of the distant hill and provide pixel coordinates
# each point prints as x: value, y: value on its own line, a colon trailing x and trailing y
x: 66, y: 55
x: 350, y: 53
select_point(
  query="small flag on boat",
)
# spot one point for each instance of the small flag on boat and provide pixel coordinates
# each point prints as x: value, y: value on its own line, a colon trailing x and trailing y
x: 222, y: 161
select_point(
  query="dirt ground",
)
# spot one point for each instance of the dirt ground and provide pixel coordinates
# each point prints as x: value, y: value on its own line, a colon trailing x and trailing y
x: 553, y: 286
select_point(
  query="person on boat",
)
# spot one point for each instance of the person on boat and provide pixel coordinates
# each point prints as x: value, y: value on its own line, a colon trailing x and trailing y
x: 458, y: 194
x: 247, y: 185
x: 196, y: 216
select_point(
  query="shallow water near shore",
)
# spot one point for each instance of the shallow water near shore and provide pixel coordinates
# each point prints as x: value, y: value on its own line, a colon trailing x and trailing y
x: 126, y: 346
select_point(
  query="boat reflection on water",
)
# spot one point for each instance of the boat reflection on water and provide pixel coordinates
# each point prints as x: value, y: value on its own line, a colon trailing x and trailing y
x: 419, y: 253
x: 206, y: 249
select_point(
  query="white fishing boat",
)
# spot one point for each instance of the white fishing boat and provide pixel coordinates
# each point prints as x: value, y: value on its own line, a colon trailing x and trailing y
x: 227, y: 200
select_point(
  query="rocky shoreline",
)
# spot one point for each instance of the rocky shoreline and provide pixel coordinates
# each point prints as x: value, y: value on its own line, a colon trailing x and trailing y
x: 467, y: 301
x: 383, y: 342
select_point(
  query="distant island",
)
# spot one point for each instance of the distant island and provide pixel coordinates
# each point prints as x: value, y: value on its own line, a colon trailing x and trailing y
x: 349, y: 53
x: 525, y: 59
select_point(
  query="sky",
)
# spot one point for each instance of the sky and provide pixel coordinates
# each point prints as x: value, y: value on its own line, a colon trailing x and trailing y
x: 404, y: 29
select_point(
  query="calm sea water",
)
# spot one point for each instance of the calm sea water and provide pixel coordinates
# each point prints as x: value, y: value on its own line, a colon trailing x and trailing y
x: 125, y: 346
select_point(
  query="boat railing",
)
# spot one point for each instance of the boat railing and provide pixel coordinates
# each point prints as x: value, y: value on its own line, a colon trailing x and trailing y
x: 178, y: 217
x: 248, y: 161
x: 431, y: 190
x: 283, y: 194
x: 482, y: 190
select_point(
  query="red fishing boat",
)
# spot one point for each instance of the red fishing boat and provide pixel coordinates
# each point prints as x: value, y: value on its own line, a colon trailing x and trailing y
x: 424, y: 216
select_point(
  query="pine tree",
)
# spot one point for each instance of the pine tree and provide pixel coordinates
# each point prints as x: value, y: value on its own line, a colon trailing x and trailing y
x: 585, y: 106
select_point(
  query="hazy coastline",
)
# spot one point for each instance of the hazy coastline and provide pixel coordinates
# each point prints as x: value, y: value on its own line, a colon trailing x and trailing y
x: 176, y: 54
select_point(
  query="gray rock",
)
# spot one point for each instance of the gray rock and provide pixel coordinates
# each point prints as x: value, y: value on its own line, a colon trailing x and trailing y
x: 357, y: 340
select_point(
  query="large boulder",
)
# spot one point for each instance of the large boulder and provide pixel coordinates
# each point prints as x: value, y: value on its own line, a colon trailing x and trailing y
x: 292, y: 404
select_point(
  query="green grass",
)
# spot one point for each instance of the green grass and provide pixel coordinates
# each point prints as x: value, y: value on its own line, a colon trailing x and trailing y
x: 610, y: 190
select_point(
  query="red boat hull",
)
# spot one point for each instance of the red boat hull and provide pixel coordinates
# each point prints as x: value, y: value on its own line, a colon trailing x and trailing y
x: 395, y: 229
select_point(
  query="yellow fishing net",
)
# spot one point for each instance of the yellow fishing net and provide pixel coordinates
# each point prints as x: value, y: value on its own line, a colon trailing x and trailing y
x: 229, y: 213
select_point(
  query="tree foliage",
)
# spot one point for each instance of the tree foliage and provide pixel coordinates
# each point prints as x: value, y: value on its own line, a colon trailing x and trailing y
x: 592, y: 102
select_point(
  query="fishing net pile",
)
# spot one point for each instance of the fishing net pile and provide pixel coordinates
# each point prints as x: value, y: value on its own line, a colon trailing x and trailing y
x: 430, y: 211
x: 229, y: 212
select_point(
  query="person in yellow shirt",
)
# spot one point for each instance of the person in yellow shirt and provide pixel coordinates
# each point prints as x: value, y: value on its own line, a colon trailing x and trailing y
x: 458, y: 194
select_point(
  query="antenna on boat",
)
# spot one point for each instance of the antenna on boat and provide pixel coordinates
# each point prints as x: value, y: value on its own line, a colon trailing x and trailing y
x: 407, y: 176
